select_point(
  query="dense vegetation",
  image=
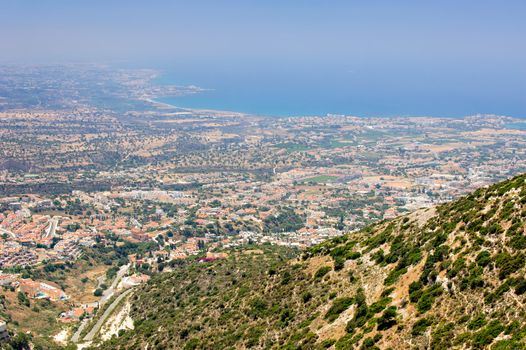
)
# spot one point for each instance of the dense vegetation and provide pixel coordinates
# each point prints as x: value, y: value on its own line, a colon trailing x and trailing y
x: 447, y: 277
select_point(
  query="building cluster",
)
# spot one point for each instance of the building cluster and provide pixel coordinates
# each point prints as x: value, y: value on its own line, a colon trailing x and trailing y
x: 29, y: 238
x: 33, y: 289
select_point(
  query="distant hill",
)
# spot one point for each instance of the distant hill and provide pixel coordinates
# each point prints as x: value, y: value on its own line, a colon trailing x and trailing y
x: 439, y: 278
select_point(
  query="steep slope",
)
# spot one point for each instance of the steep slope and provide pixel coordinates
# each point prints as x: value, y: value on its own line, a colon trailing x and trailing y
x: 447, y: 277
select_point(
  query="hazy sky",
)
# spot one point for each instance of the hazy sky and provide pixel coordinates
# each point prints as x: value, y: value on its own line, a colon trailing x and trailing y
x: 482, y: 42
x: 43, y: 30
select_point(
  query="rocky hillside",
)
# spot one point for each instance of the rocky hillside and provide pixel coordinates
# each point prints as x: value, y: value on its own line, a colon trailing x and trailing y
x: 447, y: 277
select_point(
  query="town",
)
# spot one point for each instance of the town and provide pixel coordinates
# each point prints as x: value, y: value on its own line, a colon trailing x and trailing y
x: 97, y: 198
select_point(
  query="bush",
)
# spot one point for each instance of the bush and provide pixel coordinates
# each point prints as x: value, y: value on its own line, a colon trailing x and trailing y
x: 415, y: 291
x: 442, y: 336
x: 354, y: 255
x: 477, y: 322
x: 22, y: 299
x: 508, y: 264
x: 192, y: 344
x: 339, y: 305
x: 458, y: 266
x: 428, y: 298
x: 379, y: 305
x: 361, y: 315
x: 483, y: 258
x: 420, y: 326
x: 380, y: 238
x: 285, y: 279
x: 327, y: 343
x: 258, y: 307
x: 307, y: 296
x: 518, y: 242
x: 322, y: 271
x: 388, y: 318
x: 394, y: 275
x: 520, y: 287
x: 97, y: 292
x: 484, y: 337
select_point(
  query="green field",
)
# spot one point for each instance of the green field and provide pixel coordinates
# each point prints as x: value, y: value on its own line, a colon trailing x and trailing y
x: 321, y: 179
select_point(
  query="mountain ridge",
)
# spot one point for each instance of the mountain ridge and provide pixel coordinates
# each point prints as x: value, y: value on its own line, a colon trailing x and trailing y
x: 451, y: 276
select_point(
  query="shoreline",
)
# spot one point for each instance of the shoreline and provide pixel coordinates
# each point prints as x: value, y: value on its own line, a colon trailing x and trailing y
x: 166, y: 105
x: 195, y: 110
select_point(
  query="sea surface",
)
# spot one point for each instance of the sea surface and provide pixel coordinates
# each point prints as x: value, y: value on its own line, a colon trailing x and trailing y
x: 516, y: 126
x: 334, y: 90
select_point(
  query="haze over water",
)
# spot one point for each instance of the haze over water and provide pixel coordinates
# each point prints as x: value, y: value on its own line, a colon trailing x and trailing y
x: 362, y: 90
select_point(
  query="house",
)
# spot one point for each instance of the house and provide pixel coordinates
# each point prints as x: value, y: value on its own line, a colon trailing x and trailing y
x: 41, y: 290
x: 140, y: 235
x: 76, y: 313
x: 135, y: 280
x: 215, y: 256
x: 7, y: 279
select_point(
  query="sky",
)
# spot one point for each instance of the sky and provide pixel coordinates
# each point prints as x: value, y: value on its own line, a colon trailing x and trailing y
x: 474, y: 48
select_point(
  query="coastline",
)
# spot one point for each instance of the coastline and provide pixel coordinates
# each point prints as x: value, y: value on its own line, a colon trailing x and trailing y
x: 164, y: 105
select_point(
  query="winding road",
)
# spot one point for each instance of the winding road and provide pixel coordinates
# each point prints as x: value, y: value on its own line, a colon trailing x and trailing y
x: 96, y: 328
x: 106, y: 295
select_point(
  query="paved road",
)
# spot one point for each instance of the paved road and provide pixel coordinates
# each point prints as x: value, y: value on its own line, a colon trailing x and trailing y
x: 50, y: 230
x: 76, y: 336
x: 107, y: 294
x: 102, y: 319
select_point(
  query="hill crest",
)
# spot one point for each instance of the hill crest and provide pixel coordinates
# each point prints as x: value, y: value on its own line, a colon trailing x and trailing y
x: 445, y: 277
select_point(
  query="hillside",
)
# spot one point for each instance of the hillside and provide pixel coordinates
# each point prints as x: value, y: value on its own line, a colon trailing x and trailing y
x: 446, y: 277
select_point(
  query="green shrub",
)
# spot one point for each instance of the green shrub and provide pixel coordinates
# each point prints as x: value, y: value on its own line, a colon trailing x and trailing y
x: 22, y: 299
x: 420, y: 326
x: 258, y: 307
x: 394, y: 275
x: 518, y: 242
x: 458, y: 265
x: 508, y: 264
x: 306, y: 297
x: 442, y: 336
x: 327, y: 343
x: 388, y: 318
x: 485, y: 336
x: 520, y: 287
x: 415, y: 291
x: 192, y: 344
x: 379, y: 305
x: 361, y: 314
x: 483, y: 258
x: 428, y: 298
x: 322, y: 271
x: 339, y: 305
x: 477, y: 322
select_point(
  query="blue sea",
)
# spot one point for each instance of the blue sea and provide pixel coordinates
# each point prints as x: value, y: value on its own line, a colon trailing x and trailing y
x: 368, y: 91
x: 517, y: 126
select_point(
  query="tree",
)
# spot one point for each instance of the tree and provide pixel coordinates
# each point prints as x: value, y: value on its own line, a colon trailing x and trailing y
x: 22, y: 299
x: 20, y: 341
